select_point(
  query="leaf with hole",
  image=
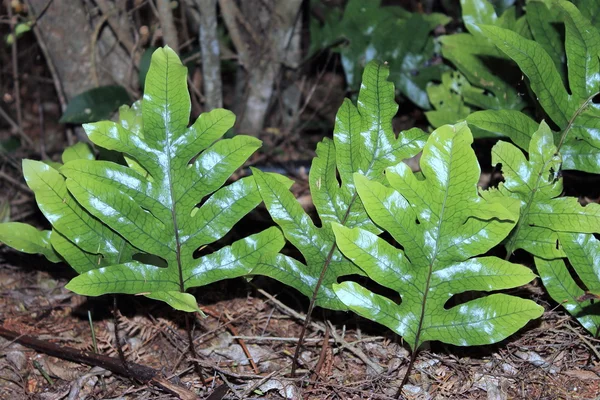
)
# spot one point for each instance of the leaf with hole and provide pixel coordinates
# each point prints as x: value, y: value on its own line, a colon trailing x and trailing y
x: 442, y: 225
x: 171, y: 202
x: 575, y: 113
x: 363, y: 142
x: 583, y: 253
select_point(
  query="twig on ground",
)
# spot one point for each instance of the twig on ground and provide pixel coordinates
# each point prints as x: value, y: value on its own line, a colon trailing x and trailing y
x: 136, y: 371
x: 357, y: 352
x: 584, y: 340
x: 235, y: 332
x: 291, y: 312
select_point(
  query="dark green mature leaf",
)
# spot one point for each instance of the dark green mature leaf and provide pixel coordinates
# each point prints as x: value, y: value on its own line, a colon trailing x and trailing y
x: 95, y: 104
x: 363, y: 142
x: 537, y: 184
x: 441, y: 223
x: 583, y: 252
x: 154, y: 204
x: 575, y: 114
x: 390, y: 34
x: 487, y: 69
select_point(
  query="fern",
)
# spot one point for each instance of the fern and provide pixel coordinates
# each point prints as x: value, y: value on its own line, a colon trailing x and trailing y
x: 441, y: 224
x: 363, y: 141
x: 491, y: 83
x: 537, y: 184
x: 390, y: 33
x: 76, y: 236
x: 141, y: 223
x: 575, y: 114
x: 583, y: 253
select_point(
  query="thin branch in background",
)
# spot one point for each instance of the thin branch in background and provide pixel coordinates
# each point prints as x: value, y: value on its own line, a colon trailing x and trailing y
x: 229, y: 11
x: 40, y: 108
x: 15, y: 72
x: 211, y: 54
x: 167, y: 23
x: 62, y: 98
x: 95, y: 35
x: 15, y: 126
x: 123, y: 38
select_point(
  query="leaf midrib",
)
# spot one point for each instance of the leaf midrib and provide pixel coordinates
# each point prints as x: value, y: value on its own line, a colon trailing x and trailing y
x: 168, y: 145
x: 420, y: 328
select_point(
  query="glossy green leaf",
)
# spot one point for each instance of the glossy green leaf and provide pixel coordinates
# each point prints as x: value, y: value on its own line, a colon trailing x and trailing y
x: 441, y: 223
x: 171, y: 201
x: 447, y: 100
x: 79, y: 151
x: 84, y: 232
x: 574, y: 113
x: 510, y: 123
x: 363, y: 142
x: 27, y: 239
x: 583, y: 252
x: 95, y: 104
x: 537, y: 184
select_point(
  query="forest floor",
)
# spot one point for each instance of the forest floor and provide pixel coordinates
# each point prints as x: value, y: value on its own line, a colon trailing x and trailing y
x: 245, y: 345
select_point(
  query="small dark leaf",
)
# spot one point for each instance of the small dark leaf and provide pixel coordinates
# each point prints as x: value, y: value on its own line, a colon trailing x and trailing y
x: 95, y: 104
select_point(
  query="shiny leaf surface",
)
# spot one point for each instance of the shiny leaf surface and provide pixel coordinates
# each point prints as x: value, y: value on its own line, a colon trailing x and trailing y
x: 441, y: 224
x: 493, y: 81
x: 577, y: 116
x: 27, y: 239
x: 363, y: 142
x: 154, y: 203
x: 583, y: 253
x: 537, y: 184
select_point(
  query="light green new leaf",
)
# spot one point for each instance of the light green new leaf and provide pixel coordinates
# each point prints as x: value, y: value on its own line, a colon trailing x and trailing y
x: 447, y: 99
x: 537, y: 184
x: 441, y: 223
x: 363, y: 142
x: 583, y: 252
x: 83, y: 241
x: 27, y: 239
x: 154, y: 204
x: 575, y: 114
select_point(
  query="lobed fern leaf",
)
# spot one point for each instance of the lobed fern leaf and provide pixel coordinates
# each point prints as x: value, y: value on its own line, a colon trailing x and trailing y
x: 153, y: 204
x: 537, y: 184
x: 575, y: 113
x: 363, y: 142
x: 441, y: 223
x: 583, y: 253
